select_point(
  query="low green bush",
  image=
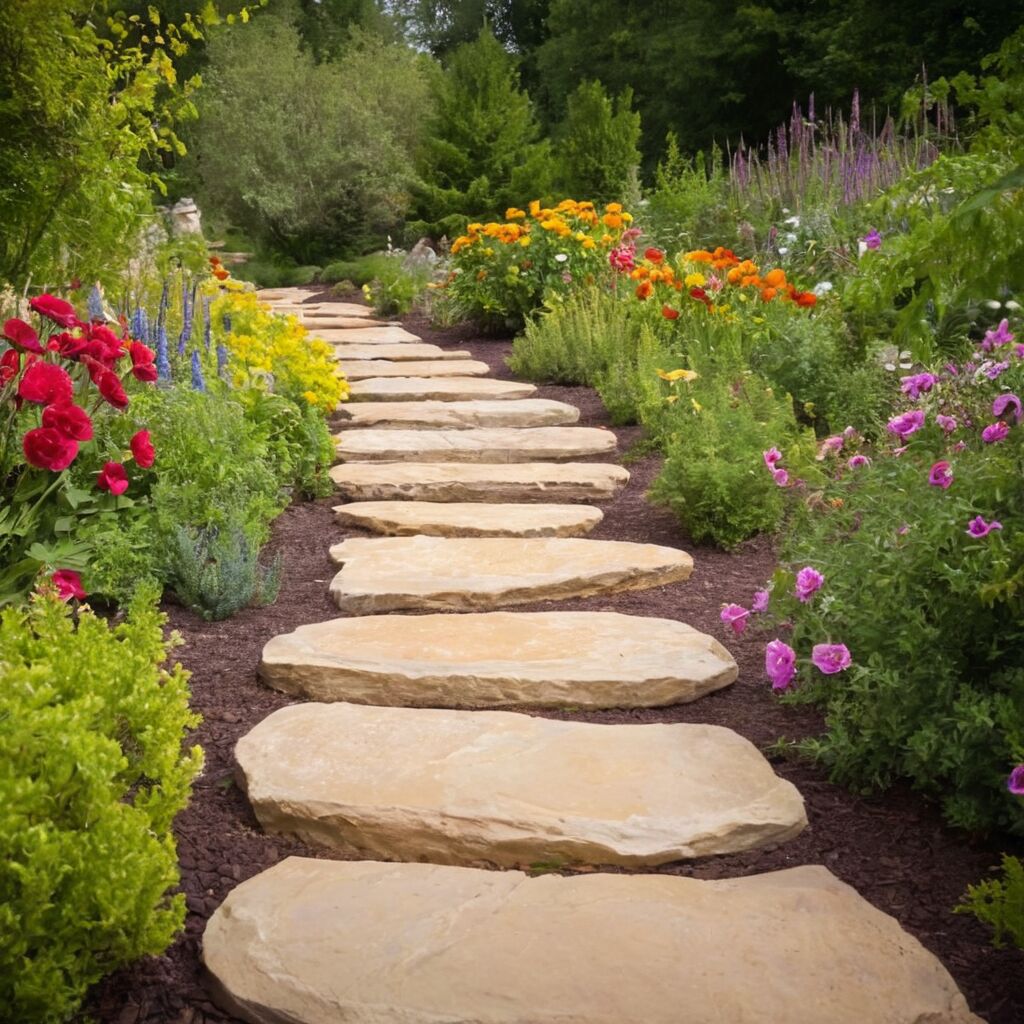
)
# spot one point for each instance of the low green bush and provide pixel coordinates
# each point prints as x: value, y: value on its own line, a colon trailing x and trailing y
x: 92, y: 774
x: 999, y: 902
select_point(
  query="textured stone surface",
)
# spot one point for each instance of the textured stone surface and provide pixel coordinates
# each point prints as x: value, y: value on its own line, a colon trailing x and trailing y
x: 459, y: 787
x: 378, y: 334
x: 483, y: 444
x: 383, y: 574
x: 456, y: 481
x: 499, y: 659
x: 287, y: 295
x: 524, y: 412
x: 463, y: 519
x: 322, y: 942
x: 402, y: 352
x: 365, y: 369
x: 445, y: 389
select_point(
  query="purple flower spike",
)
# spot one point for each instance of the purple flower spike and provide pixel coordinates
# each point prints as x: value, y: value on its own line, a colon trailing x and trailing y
x: 808, y: 582
x: 780, y: 665
x: 977, y: 527
x: 735, y: 615
x: 1015, y: 783
x: 1008, y: 401
x: 995, y: 432
x: 830, y: 658
x: 941, y: 475
x: 873, y: 239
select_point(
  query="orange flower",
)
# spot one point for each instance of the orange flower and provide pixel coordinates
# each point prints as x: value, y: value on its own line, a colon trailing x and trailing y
x: 613, y: 208
x: 644, y: 290
x: 534, y: 207
x: 612, y: 220
x: 807, y: 299
x: 220, y: 273
x: 654, y: 255
x: 669, y: 313
x: 751, y: 279
x: 699, y: 256
x: 734, y: 275
x: 775, y: 278
x: 214, y: 261
x: 767, y: 294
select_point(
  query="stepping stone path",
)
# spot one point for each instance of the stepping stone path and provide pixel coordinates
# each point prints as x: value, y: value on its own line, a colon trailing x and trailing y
x: 384, y: 574
x: 458, y: 787
x: 524, y: 412
x: 456, y: 481
x: 482, y: 444
x: 376, y: 768
x: 322, y: 941
x: 465, y: 519
x: 507, y: 659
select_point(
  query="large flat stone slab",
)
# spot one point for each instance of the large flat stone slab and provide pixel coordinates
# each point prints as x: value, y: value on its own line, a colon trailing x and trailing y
x: 499, y: 659
x: 481, y: 444
x: 464, y: 519
x: 403, y: 352
x: 434, y: 415
x: 450, y: 389
x: 286, y: 295
x: 465, y: 787
x: 322, y: 942
x: 376, y: 368
x: 375, y: 335
x: 466, y: 481
x: 384, y: 574
x: 339, y: 323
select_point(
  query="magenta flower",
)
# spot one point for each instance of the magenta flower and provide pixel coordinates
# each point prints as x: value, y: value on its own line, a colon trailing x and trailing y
x: 808, y: 582
x: 830, y: 658
x: 760, y: 602
x: 780, y: 664
x: 941, y: 475
x: 903, y: 530
x: 873, y: 239
x: 977, y: 527
x: 1015, y: 783
x: 995, y: 370
x: 960, y: 446
x: 947, y: 423
x: 897, y: 452
x: 772, y: 456
x: 995, y: 432
x: 781, y: 477
x: 735, y: 615
x: 997, y: 338
x: 856, y: 461
x: 918, y: 384
x: 1007, y: 401
x: 906, y: 424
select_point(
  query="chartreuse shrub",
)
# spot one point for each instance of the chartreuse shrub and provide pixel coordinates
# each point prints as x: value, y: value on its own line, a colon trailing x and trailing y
x: 92, y: 773
x: 999, y: 902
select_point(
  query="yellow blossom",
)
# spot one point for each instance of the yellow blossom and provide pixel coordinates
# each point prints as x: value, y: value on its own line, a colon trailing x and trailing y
x: 695, y: 280
x: 674, y: 375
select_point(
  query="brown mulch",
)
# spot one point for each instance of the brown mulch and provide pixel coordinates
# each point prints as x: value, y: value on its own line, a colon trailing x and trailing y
x: 893, y: 848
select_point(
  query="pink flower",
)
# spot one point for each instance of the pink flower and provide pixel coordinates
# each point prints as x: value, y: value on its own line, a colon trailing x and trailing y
x: 68, y: 584
x: 1015, y: 783
x: 995, y: 370
x: 995, y: 432
x: 781, y: 477
x: 856, y: 461
x: 772, y: 456
x: 903, y: 530
x: 45, y: 383
x: 907, y: 424
x: 940, y: 475
x: 830, y: 658
x: 112, y: 478
x: 977, y: 527
x: 780, y: 664
x: 1007, y: 401
x: 735, y: 615
x: 760, y: 602
x: 947, y: 423
x: 57, y: 310
x: 997, y: 338
x: 916, y: 385
x: 808, y: 583
x: 897, y: 452
x: 873, y: 239
x: 829, y: 445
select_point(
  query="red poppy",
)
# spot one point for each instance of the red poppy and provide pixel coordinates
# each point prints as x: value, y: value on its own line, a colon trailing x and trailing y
x: 669, y: 313
x: 47, y: 448
x: 68, y: 584
x: 654, y: 255
x: 807, y: 299
x: 221, y: 274
x: 70, y: 419
x: 142, y: 449
x: 10, y: 366
x: 43, y: 383
x: 112, y: 478
x: 57, y: 310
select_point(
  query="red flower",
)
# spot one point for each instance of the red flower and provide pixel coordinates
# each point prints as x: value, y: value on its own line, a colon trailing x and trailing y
x: 808, y: 299
x: 19, y: 333
x: 57, y: 310
x: 112, y: 478
x: 669, y: 313
x: 143, y: 357
x: 71, y: 420
x: 46, y: 448
x: 654, y: 255
x: 70, y: 346
x: 142, y: 449
x: 644, y: 290
x: 68, y: 584
x: 107, y: 381
x: 10, y: 366
x: 44, y: 383
x: 112, y: 345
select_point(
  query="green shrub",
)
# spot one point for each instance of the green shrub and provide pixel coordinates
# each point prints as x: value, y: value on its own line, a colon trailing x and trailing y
x: 91, y: 777
x: 999, y: 902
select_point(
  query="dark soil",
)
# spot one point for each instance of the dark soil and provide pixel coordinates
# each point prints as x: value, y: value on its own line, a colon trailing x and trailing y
x: 893, y: 848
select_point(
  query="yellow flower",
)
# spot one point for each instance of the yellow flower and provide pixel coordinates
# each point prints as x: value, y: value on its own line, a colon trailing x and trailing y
x: 589, y: 243
x: 524, y: 241
x: 697, y: 407
x: 671, y: 399
x: 534, y: 207
x: 674, y: 375
x: 514, y: 213
x: 695, y: 280
x: 613, y: 208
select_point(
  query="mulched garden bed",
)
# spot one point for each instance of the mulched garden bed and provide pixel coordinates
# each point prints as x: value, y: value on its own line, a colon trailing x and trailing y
x: 893, y: 848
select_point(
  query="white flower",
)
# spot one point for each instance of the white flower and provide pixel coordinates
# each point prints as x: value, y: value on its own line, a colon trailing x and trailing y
x: 822, y: 288
x: 793, y: 222
x: 1012, y: 304
x: 783, y: 250
x: 992, y: 304
x: 561, y: 257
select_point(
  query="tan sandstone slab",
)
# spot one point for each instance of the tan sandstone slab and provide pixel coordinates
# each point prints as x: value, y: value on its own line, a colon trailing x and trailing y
x: 484, y: 482
x: 450, y: 389
x: 321, y: 942
x: 340, y: 323
x: 375, y: 335
x: 499, y: 659
x: 434, y: 415
x: 286, y: 295
x: 402, y: 352
x: 464, y: 519
x: 464, y: 787
x: 481, y: 444
x: 383, y: 574
x: 365, y: 369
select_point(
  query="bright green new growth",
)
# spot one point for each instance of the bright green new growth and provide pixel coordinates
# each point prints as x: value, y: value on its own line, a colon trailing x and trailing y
x: 92, y: 773
x: 999, y: 902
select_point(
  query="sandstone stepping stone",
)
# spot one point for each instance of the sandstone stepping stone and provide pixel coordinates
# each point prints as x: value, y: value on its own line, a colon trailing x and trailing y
x: 384, y: 574
x: 458, y: 787
x: 311, y: 321
x: 362, y: 335
x: 285, y: 295
x: 463, y: 519
x: 450, y: 389
x: 526, y: 412
x: 488, y: 482
x: 499, y: 659
x: 376, y: 368
x: 324, y: 941
x: 480, y: 444
x: 404, y: 351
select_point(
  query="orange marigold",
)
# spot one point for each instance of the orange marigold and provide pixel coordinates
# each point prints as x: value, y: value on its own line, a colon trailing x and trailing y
x: 775, y: 278
x: 612, y: 220
x: 644, y: 290
x: 699, y: 256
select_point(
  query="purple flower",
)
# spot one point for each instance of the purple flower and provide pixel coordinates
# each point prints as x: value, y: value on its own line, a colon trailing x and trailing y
x: 995, y: 432
x: 917, y: 384
x: 903, y: 530
x: 735, y: 615
x: 873, y: 239
x: 995, y: 370
x: 977, y: 527
x: 781, y: 477
x: 960, y: 446
x: 808, y: 582
x: 780, y: 664
x: 830, y: 658
x: 1015, y: 783
x: 997, y: 338
x: 897, y: 452
x: 941, y: 475
x: 947, y: 423
x: 856, y: 461
x: 906, y: 424
x: 760, y: 602
x: 772, y: 456
x: 1004, y: 402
